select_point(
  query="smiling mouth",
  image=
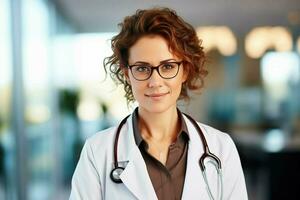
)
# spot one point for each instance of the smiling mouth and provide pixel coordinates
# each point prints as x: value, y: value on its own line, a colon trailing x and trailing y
x: 157, y: 95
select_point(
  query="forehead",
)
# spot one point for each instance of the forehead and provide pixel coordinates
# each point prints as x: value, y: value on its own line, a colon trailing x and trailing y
x: 151, y: 49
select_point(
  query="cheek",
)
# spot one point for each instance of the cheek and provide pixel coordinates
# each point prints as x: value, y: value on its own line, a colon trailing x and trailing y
x: 137, y: 89
x: 176, y: 87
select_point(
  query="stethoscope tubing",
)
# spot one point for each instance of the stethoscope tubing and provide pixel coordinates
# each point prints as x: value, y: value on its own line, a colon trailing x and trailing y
x: 115, y: 173
x: 206, y: 150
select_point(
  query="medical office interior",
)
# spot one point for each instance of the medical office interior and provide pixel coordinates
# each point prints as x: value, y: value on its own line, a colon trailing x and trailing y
x: 54, y: 94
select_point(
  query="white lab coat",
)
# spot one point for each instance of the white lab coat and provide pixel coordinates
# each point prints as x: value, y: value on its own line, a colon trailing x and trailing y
x: 91, y: 179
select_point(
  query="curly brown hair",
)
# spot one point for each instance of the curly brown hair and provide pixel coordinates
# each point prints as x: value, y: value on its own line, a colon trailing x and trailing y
x: 181, y: 37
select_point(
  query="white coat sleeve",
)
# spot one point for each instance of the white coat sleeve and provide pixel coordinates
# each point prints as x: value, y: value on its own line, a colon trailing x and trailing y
x: 86, y: 181
x: 233, y: 176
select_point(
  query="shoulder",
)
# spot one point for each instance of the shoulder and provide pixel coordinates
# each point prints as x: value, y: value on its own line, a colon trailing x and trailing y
x: 101, y: 140
x: 212, y: 135
x: 219, y: 142
x: 215, y: 134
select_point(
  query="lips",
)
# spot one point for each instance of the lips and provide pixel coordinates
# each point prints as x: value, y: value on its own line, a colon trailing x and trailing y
x: 157, y: 95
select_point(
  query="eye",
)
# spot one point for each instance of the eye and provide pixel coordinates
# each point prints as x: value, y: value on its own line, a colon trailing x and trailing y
x: 168, y: 66
x: 142, y: 68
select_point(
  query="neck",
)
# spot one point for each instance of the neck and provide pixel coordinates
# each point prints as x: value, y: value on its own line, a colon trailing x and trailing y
x: 159, y: 127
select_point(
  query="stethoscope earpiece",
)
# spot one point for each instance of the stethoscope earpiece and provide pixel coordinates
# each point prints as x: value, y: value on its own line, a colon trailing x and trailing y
x: 115, y: 174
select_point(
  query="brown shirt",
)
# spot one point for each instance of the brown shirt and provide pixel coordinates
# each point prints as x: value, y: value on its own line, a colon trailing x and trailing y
x: 167, y: 180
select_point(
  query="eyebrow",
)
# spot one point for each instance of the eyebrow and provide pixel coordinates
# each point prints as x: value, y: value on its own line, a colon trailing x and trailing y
x: 163, y: 61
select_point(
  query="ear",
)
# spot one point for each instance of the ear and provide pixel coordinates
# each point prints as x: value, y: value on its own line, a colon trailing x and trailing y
x: 126, y: 71
x: 185, y: 75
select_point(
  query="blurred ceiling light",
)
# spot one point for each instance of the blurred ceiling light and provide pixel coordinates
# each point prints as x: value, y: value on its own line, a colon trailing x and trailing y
x: 260, y: 39
x: 88, y: 110
x: 218, y: 37
x: 37, y: 114
x: 274, y: 140
x: 279, y: 70
x: 282, y: 39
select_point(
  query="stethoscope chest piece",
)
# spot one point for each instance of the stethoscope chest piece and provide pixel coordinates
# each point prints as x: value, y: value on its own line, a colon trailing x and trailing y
x: 115, y: 174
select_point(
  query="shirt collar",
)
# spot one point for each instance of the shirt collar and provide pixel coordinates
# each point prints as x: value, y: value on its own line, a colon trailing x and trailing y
x: 137, y: 135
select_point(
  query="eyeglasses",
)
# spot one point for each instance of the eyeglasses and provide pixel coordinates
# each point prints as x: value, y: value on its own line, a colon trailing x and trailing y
x: 143, y: 71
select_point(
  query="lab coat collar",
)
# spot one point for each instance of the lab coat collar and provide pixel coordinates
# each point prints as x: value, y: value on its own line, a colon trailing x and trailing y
x: 135, y: 176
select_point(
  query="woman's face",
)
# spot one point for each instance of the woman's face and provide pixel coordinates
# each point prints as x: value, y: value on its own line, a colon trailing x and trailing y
x: 155, y: 94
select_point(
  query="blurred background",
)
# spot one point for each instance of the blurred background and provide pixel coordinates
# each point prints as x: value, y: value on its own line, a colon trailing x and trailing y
x: 53, y: 91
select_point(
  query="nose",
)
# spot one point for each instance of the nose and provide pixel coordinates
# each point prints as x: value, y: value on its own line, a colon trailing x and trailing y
x: 155, y: 79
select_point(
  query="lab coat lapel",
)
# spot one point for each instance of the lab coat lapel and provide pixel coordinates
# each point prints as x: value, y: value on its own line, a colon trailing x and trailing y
x: 135, y: 176
x: 194, y: 185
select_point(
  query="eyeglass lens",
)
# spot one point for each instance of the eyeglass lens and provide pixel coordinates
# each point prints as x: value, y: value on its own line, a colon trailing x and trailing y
x: 165, y: 70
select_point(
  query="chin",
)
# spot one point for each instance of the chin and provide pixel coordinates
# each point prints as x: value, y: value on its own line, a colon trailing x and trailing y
x: 157, y: 108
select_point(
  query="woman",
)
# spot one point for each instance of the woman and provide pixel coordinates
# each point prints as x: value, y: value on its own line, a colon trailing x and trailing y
x: 155, y: 152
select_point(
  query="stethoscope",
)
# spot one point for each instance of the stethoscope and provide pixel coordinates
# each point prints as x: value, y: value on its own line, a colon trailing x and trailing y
x: 213, y: 159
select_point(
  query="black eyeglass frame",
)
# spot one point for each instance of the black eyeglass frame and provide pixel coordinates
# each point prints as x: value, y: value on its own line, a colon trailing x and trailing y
x: 157, y: 69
